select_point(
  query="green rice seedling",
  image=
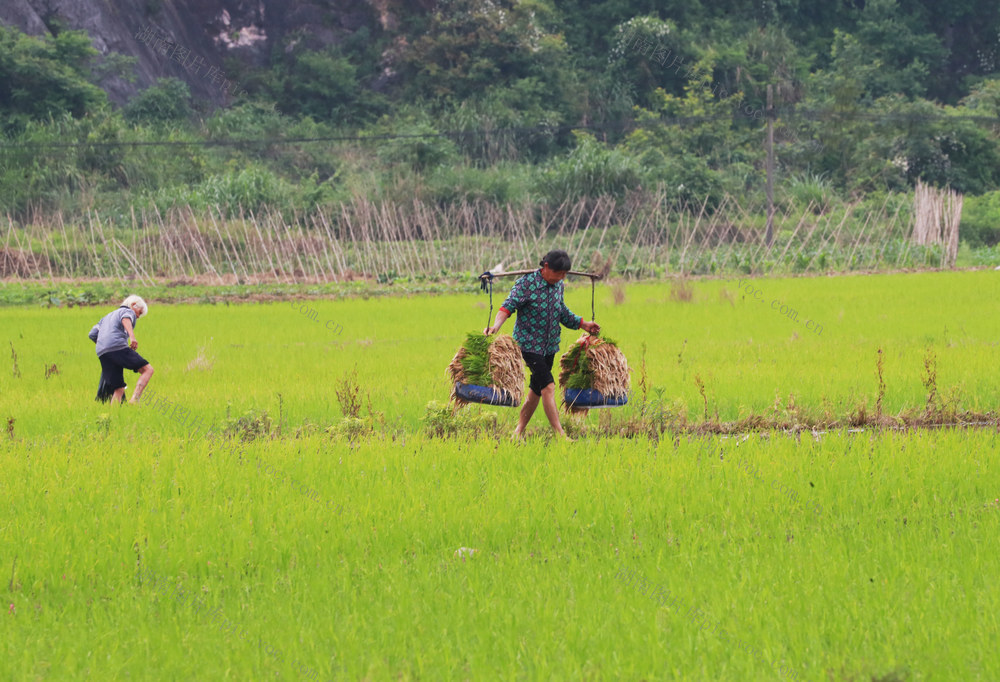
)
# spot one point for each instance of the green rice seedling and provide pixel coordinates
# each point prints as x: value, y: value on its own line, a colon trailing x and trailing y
x: 132, y: 548
x: 581, y: 377
x: 845, y: 556
x: 475, y: 362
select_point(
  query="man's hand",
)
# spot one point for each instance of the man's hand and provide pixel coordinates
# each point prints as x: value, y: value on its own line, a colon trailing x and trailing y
x: 591, y: 327
x: 133, y: 344
x: 489, y: 331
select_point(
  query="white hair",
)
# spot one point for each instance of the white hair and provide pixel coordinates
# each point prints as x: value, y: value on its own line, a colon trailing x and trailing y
x: 136, y: 299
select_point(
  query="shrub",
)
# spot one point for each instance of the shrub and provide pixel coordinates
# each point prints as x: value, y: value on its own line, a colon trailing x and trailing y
x: 421, y: 145
x: 253, y: 425
x: 169, y: 99
x: 980, y: 224
x: 590, y: 170
x: 441, y: 421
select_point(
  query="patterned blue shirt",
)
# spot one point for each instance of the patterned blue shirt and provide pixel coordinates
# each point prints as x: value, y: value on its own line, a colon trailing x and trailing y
x: 540, y: 310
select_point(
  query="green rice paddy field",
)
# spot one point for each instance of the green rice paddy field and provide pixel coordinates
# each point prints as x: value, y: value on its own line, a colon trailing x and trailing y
x: 135, y: 546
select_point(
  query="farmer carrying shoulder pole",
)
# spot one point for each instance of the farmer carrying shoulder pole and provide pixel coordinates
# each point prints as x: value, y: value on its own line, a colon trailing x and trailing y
x: 116, y: 344
x: 538, y: 300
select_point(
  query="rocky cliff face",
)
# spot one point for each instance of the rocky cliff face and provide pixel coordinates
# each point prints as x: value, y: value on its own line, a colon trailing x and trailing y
x: 191, y: 39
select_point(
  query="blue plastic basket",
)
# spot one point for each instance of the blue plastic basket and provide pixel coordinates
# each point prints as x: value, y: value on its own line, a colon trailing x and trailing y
x: 484, y: 394
x: 590, y: 398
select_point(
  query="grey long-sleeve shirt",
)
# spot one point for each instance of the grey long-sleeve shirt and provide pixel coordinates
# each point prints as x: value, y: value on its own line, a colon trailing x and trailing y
x: 109, y: 334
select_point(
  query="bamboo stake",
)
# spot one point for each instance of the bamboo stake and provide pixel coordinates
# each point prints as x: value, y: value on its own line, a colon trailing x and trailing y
x: 691, y: 235
x: 6, y: 248
x: 952, y: 217
x: 138, y: 268
x: 791, y: 239
x: 338, y: 251
x: 310, y: 246
x: 274, y: 246
x: 250, y: 251
x: 761, y: 246
x: 222, y: 243
x: 885, y: 244
x: 388, y: 231
x: 623, y: 238
x: 834, y: 235
x: 181, y: 243
x: 350, y: 228
x: 93, y: 240
x: 270, y: 262
x: 73, y: 257
x: 20, y: 252
x: 48, y: 258
x: 134, y: 248
x: 857, y: 242
x: 806, y: 241
x: 118, y: 268
x: 417, y: 264
x: 164, y: 246
x: 233, y: 245
x: 202, y: 251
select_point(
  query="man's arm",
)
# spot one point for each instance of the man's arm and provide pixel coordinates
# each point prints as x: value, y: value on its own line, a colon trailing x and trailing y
x: 574, y: 321
x: 514, y: 301
x: 93, y: 332
x: 502, y: 316
x: 127, y: 325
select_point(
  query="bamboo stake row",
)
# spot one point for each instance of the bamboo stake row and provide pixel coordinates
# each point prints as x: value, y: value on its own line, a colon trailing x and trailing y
x: 369, y: 240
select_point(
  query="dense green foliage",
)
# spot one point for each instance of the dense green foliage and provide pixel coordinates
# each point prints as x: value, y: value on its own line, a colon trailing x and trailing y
x: 41, y: 79
x: 167, y: 101
x: 532, y: 100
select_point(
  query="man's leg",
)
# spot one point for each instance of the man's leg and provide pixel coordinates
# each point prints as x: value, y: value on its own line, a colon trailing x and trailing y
x: 551, y: 411
x: 527, y: 410
x: 117, y: 396
x: 145, y: 374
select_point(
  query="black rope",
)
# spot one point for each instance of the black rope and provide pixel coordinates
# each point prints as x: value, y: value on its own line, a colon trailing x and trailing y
x: 486, y: 284
x: 593, y: 315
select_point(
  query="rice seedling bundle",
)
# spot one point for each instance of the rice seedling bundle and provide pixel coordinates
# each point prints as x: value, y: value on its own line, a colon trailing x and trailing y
x: 595, y: 363
x: 488, y: 361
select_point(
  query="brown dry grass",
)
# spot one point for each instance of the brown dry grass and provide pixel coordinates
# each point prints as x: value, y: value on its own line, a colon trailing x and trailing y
x: 506, y: 366
x: 681, y: 291
x: 457, y: 374
x: 202, y: 361
x: 618, y: 292
x: 18, y: 263
x: 611, y: 372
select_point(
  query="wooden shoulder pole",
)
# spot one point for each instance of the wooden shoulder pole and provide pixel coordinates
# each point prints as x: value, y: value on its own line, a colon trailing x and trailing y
x: 489, y: 275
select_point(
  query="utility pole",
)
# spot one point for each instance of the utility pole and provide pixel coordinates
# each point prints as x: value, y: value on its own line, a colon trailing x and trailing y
x: 769, y: 235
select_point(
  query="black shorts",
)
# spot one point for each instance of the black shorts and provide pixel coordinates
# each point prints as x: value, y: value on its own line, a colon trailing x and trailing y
x: 113, y: 364
x: 541, y: 371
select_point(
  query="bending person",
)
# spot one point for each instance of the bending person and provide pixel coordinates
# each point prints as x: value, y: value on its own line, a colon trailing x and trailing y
x: 538, y: 300
x: 116, y: 344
